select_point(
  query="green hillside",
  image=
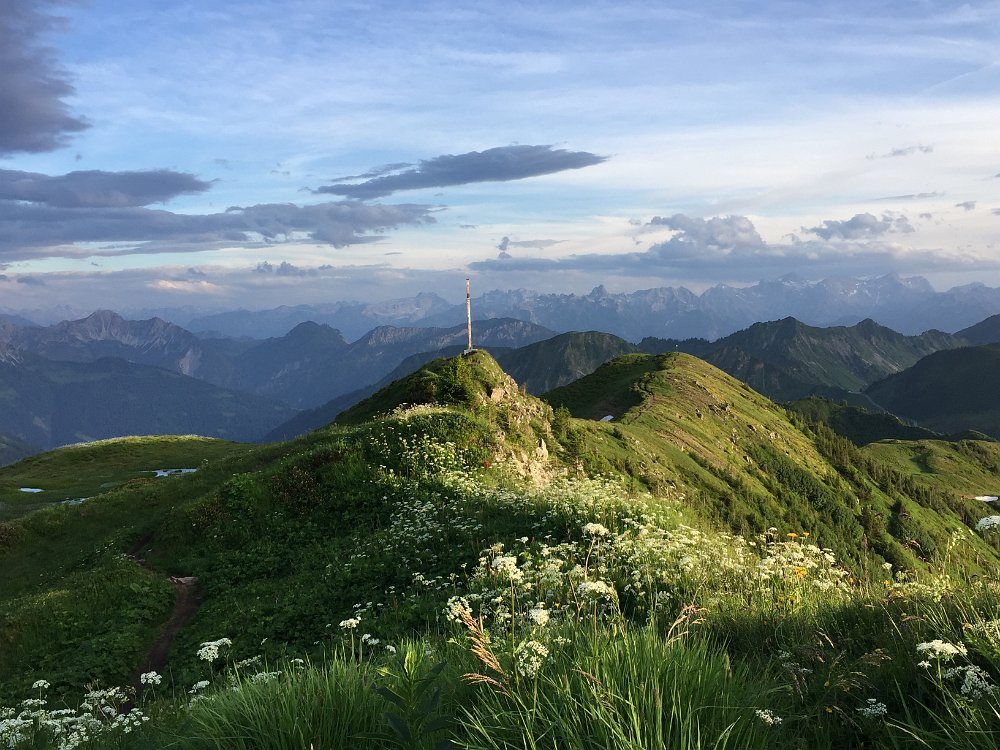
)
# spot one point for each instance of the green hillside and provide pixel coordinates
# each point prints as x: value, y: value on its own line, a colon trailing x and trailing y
x: 742, y: 462
x: 90, y: 469
x: 962, y: 468
x: 48, y: 403
x: 950, y: 391
x: 787, y: 359
x: 860, y: 426
x: 706, y: 570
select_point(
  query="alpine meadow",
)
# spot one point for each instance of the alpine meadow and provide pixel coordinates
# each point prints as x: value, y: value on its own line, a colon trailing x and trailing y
x: 456, y: 563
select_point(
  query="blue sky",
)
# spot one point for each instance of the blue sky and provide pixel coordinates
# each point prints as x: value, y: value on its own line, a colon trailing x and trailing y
x: 161, y: 154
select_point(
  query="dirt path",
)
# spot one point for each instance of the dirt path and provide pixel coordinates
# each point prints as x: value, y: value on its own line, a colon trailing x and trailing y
x: 187, y: 599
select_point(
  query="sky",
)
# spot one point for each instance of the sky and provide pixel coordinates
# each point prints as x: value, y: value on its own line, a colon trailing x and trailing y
x: 222, y: 155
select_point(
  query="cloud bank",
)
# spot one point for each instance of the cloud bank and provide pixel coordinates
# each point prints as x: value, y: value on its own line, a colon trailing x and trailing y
x: 26, y: 227
x: 97, y: 189
x: 730, y: 247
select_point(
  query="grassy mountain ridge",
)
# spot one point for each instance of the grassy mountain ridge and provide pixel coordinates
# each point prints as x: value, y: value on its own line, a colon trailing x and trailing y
x: 747, y: 462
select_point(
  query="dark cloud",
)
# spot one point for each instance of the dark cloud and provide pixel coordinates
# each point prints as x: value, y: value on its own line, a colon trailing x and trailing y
x: 24, y: 226
x: 967, y: 205
x: 30, y: 280
x: 32, y: 84
x: 500, y: 164
x: 96, y: 189
x: 927, y: 216
x: 861, y: 227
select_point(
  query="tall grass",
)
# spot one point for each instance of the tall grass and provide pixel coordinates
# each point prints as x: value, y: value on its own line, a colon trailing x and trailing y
x: 327, y: 706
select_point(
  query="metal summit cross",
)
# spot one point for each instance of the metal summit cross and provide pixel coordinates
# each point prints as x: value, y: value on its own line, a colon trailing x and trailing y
x: 468, y: 312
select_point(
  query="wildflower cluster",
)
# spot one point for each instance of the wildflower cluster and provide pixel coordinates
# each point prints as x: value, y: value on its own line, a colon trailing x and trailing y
x: 942, y: 650
x: 988, y: 523
x: 529, y: 657
x: 210, y: 650
x: 768, y: 716
x: 99, y: 716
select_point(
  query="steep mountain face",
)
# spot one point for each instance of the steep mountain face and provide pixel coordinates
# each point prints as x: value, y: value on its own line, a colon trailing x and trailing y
x: 787, y: 359
x: 860, y: 426
x: 47, y: 403
x: 949, y: 391
x: 106, y: 334
x: 548, y: 364
x: 985, y: 332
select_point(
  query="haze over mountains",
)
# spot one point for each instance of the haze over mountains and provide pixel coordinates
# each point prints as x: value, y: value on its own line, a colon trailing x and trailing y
x: 909, y: 305
x: 103, y: 375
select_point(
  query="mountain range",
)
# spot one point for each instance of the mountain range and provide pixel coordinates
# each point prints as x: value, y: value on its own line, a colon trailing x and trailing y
x: 104, y: 375
x: 909, y: 305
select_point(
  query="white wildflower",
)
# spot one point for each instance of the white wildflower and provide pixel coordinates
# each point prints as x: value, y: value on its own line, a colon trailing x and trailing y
x: 873, y: 709
x: 539, y: 616
x: 506, y: 567
x: 595, y: 590
x: 529, y: 657
x: 454, y: 608
x: 198, y: 686
x: 369, y: 639
x: 350, y: 623
x: 942, y: 650
x: 768, y: 716
x: 40, y: 685
x: 209, y: 650
x: 975, y: 680
x: 596, y: 530
x: 150, y: 678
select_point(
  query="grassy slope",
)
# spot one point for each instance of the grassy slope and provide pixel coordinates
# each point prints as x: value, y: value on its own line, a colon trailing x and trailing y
x: 89, y: 469
x: 965, y: 467
x: 859, y: 425
x: 287, y: 539
x: 684, y: 426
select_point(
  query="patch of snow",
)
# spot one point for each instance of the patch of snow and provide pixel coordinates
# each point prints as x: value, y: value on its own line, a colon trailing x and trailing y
x: 608, y: 418
x: 171, y: 472
x: 31, y: 489
x: 988, y: 498
x: 75, y: 501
